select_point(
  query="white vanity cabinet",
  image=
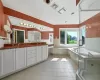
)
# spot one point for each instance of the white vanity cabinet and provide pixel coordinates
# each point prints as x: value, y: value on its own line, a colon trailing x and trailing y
x: 39, y: 54
x: 7, y: 62
x: 13, y: 60
x: 44, y: 52
x: 31, y: 56
x: 20, y: 58
x: 0, y: 62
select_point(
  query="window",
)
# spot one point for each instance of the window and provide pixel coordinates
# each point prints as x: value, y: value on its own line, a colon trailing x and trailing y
x: 68, y: 36
x: 62, y: 37
x: 83, y: 31
x: 71, y: 37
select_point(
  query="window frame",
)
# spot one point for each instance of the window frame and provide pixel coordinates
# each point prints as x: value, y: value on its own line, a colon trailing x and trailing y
x: 69, y: 29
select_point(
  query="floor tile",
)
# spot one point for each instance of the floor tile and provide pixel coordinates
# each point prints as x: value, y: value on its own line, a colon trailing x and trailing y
x: 48, y: 70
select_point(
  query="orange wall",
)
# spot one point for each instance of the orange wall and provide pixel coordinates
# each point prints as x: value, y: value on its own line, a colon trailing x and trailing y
x: 45, y: 35
x: 3, y: 19
x: 94, y: 23
x: 77, y: 1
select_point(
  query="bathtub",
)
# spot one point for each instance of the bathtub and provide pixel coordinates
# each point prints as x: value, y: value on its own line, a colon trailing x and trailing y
x: 88, y: 63
x: 77, y: 52
x: 91, y: 71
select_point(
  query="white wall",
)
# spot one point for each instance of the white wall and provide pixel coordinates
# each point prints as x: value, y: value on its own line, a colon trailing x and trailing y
x: 93, y: 44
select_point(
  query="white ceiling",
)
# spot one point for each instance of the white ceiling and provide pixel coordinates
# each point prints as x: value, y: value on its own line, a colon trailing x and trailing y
x: 39, y: 9
x: 90, y: 5
x: 84, y: 15
x: 27, y: 24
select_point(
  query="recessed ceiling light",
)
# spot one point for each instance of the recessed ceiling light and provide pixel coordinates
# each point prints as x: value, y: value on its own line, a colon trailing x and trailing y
x: 25, y: 24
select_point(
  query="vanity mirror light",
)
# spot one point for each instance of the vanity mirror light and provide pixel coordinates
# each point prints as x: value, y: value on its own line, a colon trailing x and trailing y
x: 8, y: 30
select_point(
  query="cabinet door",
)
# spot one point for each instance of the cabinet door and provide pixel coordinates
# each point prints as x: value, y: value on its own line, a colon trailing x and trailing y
x: 39, y: 56
x: 31, y: 61
x: 8, y: 61
x: 20, y: 58
x: 0, y: 62
x: 45, y: 52
x: 31, y: 56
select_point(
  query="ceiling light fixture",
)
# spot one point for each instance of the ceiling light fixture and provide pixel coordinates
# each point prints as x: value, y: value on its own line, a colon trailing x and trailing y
x: 25, y: 24
x: 29, y: 25
x: 21, y: 23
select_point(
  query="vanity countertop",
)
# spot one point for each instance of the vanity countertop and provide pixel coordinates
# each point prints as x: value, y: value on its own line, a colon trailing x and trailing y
x: 22, y: 45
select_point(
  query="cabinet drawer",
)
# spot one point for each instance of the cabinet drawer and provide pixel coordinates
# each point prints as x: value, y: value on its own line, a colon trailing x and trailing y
x: 31, y: 56
x: 31, y: 52
x: 31, y: 49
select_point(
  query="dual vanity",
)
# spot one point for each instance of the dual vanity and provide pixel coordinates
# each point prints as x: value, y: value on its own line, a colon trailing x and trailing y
x: 16, y: 57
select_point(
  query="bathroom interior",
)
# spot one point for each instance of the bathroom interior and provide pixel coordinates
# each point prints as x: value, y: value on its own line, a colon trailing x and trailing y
x: 47, y: 35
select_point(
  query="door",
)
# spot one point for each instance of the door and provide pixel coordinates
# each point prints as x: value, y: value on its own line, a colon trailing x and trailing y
x: 8, y: 61
x: 44, y: 52
x: 31, y: 56
x: 20, y: 58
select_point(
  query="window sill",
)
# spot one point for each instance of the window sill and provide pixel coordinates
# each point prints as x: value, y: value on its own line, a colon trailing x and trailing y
x: 69, y: 45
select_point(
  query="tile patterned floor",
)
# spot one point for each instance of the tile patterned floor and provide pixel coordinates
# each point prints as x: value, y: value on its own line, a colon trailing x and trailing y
x: 55, y: 68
